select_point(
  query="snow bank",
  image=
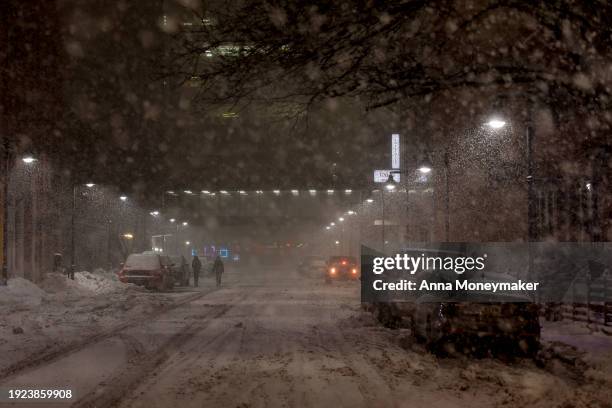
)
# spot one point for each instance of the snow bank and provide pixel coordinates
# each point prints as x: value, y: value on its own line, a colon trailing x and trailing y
x: 99, y: 282
x: 59, y: 283
x: 21, y: 291
x: 84, y: 283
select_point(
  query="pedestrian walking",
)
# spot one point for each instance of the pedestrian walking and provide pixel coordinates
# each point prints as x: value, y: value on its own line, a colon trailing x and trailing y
x: 218, y: 269
x: 196, y: 265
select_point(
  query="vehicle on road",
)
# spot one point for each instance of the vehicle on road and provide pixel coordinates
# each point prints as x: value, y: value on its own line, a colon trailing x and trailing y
x: 181, y: 269
x: 499, y: 320
x: 312, y: 266
x: 149, y: 270
x: 342, y: 268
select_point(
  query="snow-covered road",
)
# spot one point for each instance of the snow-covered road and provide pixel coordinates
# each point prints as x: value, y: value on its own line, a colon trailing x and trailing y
x: 273, y: 339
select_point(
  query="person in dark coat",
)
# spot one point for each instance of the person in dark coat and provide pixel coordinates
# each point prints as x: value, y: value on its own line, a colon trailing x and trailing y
x: 218, y: 269
x: 196, y: 265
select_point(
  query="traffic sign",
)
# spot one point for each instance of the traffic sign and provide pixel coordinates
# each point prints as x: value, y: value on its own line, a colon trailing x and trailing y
x: 381, y: 176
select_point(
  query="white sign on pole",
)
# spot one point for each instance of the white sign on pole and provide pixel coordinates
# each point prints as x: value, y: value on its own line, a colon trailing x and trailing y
x: 395, y: 151
x: 381, y: 176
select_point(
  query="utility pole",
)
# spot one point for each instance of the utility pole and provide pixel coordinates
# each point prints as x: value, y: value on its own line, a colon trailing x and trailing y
x: 446, y: 198
x: 72, y: 231
x: 4, y: 180
x: 382, y: 195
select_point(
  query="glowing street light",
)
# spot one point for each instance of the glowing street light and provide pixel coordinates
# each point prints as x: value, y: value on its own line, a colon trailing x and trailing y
x: 28, y: 159
x: 172, y: 220
x: 185, y: 223
x: 187, y: 243
x: 128, y: 235
x: 328, y: 227
x: 496, y: 123
x: 123, y: 198
x: 154, y: 213
x: 337, y: 242
x: 351, y: 212
x: 333, y: 224
x: 341, y: 219
x: 89, y: 185
x: 369, y: 200
x: 425, y: 169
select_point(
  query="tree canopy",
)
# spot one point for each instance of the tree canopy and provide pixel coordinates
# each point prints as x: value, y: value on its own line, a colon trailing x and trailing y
x: 298, y: 52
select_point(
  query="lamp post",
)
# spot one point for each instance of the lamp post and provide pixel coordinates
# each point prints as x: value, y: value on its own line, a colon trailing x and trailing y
x: 390, y: 186
x: 72, y: 228
x: 4, y: 178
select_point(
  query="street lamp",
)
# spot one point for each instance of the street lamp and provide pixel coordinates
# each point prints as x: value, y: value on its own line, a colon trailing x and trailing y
x: 72, y: 229
x: 390, y: 183
x: 425, y: 169
x: 123, y: 198
x: 496, y: 123
x: 28, y: 159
